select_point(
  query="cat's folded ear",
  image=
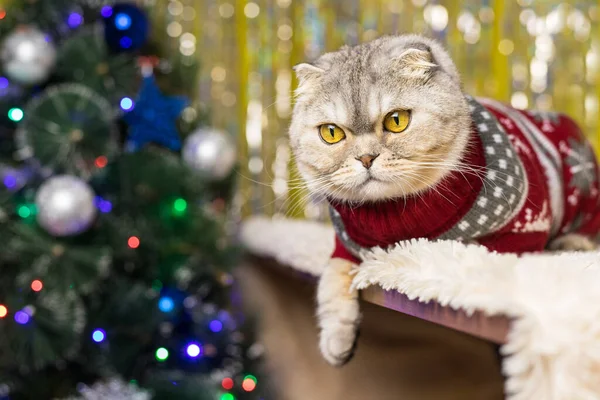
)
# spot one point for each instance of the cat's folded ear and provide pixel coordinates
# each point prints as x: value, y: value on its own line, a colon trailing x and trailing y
x: 306, y: 73
x: 415, y: 62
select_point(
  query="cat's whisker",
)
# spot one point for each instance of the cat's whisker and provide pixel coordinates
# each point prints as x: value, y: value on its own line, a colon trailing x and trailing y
x: 435, y: 189
x: 301, y: 183
x: 299, y: 199
x: 463, y: 168
x: 403, y: 182
x: 286, y: 195
x: 417, y: 177
x: 485, y: 181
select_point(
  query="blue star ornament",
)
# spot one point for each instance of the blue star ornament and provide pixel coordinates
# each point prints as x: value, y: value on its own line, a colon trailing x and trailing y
x: 153, y: 118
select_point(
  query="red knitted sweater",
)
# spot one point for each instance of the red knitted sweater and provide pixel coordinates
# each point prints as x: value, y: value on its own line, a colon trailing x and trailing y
x: 560, y: 192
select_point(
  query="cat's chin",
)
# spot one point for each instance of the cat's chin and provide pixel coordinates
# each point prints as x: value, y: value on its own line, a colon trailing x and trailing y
x: 371, y: 190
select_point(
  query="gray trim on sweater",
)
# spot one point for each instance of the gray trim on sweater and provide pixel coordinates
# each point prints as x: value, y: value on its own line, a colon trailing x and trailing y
x: 505, y: 185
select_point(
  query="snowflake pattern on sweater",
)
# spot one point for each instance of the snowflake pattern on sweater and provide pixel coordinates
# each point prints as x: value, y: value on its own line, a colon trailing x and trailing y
x: 541, y: 181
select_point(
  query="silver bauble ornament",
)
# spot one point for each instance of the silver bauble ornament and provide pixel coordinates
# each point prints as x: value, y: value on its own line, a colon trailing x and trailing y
x: 28, y: 57
x: 65, y: 205
x: 210, y: 152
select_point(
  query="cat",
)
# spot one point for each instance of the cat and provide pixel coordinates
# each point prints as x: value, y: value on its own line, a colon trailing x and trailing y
x: 384, y: 131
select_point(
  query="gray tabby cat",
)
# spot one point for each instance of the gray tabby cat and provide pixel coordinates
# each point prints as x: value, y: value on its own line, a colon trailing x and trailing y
x: 356, y: 88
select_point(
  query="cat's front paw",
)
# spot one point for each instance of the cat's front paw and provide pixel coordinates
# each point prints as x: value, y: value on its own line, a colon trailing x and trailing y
x: 573, y: 242
x: 338, y: 313
x: 338, y: 343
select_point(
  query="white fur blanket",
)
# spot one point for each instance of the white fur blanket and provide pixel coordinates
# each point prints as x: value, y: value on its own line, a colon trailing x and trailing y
x: 553, y: 349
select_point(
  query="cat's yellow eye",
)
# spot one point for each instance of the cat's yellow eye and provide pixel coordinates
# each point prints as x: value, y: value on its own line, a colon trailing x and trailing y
x: 397, y: 121
x: 331, y: 133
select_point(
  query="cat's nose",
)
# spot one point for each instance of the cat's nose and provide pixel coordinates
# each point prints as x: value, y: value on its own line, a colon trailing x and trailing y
x: 367, y: 159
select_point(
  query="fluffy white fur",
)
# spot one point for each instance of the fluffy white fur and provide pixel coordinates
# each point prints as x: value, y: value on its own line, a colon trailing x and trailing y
x: 553, y: 350
x: 259, y: 235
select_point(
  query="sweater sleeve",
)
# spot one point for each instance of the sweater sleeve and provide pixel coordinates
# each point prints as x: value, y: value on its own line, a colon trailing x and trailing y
x: 340, y: 251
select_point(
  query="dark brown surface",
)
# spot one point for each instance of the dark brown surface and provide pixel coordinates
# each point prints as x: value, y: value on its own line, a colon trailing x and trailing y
x: 398, y: 356
x: 494, y: 329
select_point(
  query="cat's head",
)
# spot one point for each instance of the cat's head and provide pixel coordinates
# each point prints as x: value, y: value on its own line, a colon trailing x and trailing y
x: 385, y: 119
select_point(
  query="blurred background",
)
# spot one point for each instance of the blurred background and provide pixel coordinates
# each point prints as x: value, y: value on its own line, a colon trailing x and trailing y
x: 120, y: 198
x: 540, y: 54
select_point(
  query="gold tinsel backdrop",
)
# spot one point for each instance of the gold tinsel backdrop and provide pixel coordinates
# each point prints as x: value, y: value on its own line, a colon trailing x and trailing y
x: 540, y: 54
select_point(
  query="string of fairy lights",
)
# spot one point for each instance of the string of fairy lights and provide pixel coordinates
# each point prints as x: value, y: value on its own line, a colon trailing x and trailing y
x: 533, y: 54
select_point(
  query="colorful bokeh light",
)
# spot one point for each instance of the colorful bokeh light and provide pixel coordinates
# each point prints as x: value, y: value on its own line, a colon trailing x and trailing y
x: 21, y: 317
x: 161, y: 354
x: 74, y: 20
x: 98, y: 335
x: 133, y: 242
x: 227, y: 383
x: 194, y: 350
x: 104, y: 206
x: 101, y: 162
x: 166, y: 304
x: 24, y: 211
x: 216, y: 326
x: 249, y: 383
x: 37, y: 285
x: 127, y: 104
x: 106, y: 11
x: 10, y: 181
x: 3, y: 311
x: 179, y: 206
x: 16, y: 114
x: 227, y: 396
x: 126, y: 42
x: 122, y: 21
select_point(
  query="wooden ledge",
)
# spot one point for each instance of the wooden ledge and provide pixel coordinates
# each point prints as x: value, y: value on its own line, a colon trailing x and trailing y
x: 493, y: 329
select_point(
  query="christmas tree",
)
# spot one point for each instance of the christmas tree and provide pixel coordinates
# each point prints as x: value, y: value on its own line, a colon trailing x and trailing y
x: 116, y: 234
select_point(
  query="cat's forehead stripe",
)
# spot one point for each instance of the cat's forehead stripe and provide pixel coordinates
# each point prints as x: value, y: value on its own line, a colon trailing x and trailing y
x: 362, y: 122
x: 361, y: 105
